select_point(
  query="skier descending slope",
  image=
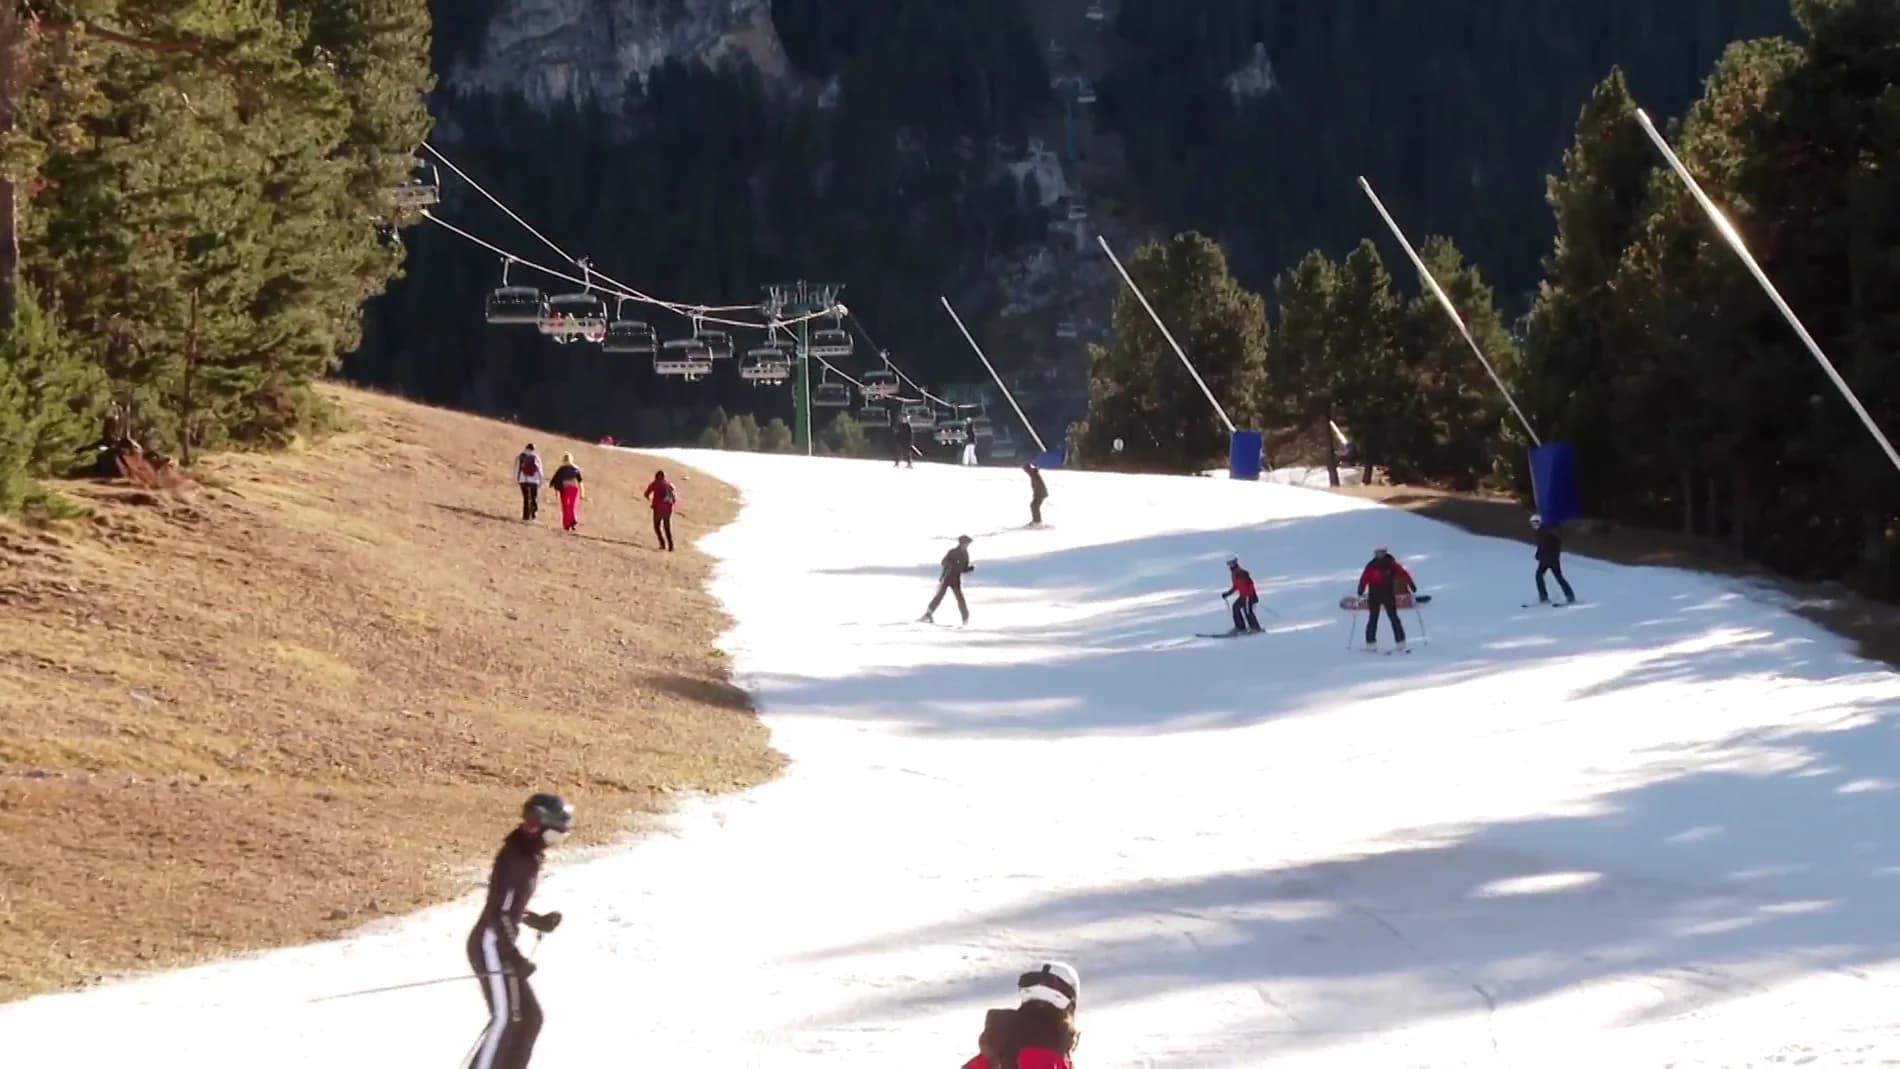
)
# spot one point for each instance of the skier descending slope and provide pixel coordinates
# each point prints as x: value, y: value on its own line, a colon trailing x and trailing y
x: 1038, y: 493
x: 514, y: 1014
x: 1381, y: 584
x: 956, y: 564
x: 1550, y: 558
x: 1038, y: 1034
x: 1241, y: 589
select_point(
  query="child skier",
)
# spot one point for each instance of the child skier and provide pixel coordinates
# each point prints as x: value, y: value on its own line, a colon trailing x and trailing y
x: 956, y: 564
x: 1241, y: 589
x: 1550, y: 558
x: 1040, y: 1033
x: 1381, y: 584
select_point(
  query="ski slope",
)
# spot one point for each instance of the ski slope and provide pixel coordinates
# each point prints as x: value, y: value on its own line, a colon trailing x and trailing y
x: 1653, y: 829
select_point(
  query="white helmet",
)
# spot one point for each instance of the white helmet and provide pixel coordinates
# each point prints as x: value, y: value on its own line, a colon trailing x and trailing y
x: 1536, y: 521
x: 1054, y: 982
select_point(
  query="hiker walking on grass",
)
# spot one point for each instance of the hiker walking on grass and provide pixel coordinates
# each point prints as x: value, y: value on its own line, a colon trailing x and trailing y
x: 1038, y: 493
x: 514, y: 1013
x: 1381, y: 584
x: 662, y: 494
x: 528, y: 474
x: 956, y: 564
x: 1550, y: 558
x: 567, y: 483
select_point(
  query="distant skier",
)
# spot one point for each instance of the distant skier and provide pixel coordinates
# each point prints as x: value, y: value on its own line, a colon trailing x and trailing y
x: 663, y: 495
x: 566, y: 482
x: 956, y: 564
x: 1038, y: 493
x: 514, y: 1013
x: 1381, y: 584
x: 1241, y: 589
x: 968, y: 458
x: 1550, y: 558
x: 906, y: 444
x: 528, y: 473
x: 1040, y: 1032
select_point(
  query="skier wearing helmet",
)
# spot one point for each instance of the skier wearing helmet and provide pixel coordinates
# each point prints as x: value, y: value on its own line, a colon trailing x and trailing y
x: 1040, y: 1033
x: 1240, y: 587
x: 1550, y: 558
x: 1381, y: 584
x: 514, y: 1014
x: 956, y: 564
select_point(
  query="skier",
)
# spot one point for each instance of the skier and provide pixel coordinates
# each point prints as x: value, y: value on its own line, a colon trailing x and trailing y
x: 1550, y: 558
x: 906, y: 446
x: 663, y: 495
x: 567, y: 483
x: 1040, y: 1033
x: 1038, y: 493
x: 1381, y: 584
x: 956, y: 564
x: 514, y: 1013
x: 1241, y: 589
x: 528, y: 473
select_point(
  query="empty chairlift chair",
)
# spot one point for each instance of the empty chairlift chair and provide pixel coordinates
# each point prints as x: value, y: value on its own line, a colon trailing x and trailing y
x: 831, y: 395
x: 572, y: 317
x: 684, y: 358
x: 630, y: 336
x: 873, y: 414
x: 920, y: 415
x: 766, y: 365
x: 718, y: 343
x: 515, y: 305
x: 423, y: 190
x: 830, y: 343
x: 879, y: 385
x: 981, y: 430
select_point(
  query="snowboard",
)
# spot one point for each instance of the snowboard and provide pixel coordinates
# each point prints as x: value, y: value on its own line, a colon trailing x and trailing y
x: 1353, y: 603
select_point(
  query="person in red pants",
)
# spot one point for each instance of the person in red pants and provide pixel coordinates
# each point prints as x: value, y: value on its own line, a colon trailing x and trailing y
x: 663, y: 495
x: 566, y: 481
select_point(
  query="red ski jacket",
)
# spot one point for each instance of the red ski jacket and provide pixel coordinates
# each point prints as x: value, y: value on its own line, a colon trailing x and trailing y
x: 1030, y: 1058
x: 1386, y: 575
x: 662, y: 493
x: 1243, y: 583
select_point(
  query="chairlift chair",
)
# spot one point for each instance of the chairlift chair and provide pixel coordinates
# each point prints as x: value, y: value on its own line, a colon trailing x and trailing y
x: 765, y: 366
x: 684, y: 357
x: 422, y: 191
x: 1078, y: 212
x: 879, y: 385
x: 920, y: 415
x: 521, y: 306
x: 874, y: 415
x: 574, y: 317
x: 952, y: 434
x: 1097, y: 12
x: 717, y: 342
x: 1085, y: 94
x: 1066, y: 329
x: 629, y: 335
x: 980, y: 428
x: 830, y: 343
x: 831, y: 395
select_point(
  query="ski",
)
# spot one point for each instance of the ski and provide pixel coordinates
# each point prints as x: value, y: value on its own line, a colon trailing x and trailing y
x: 1548, y: 604
x: 1226, y: 634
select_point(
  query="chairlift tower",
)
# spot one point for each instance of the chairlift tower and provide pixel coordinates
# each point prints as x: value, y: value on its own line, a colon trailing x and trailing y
x: 798, y: 300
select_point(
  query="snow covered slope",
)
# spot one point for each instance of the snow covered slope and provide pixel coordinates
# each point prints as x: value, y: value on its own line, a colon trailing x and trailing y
x: 1651, y: 829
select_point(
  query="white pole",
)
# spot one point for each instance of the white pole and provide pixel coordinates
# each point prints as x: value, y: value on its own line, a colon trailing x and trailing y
x: 1734, y: 239
x: 1456, y: 320
x: 1103, y: 242
x: 1040, y: 448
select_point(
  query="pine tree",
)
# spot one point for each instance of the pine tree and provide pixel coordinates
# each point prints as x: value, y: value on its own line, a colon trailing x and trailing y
x: 1303, y: 379
x: 1455, y: 415
x: 1362, y: 346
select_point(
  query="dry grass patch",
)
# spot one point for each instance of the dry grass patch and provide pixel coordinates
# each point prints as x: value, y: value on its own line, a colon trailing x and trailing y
x: 314, y: 689
x: 1873, y: 627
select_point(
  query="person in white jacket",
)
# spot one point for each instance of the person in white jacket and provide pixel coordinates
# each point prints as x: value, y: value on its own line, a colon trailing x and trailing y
x: 529, y: 474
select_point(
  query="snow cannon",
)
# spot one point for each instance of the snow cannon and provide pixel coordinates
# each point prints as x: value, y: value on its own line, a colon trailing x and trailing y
x: 1244, y: 453
x: 1554, y: 483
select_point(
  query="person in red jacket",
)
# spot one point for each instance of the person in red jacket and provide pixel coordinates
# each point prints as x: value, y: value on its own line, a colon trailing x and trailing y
x: 662, y: 494
x: 1038, y: 1034
x: 1381, y: 584
x: 1246, y: 596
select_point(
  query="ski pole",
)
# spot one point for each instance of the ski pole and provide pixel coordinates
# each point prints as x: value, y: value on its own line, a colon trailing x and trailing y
x: 403, y: 987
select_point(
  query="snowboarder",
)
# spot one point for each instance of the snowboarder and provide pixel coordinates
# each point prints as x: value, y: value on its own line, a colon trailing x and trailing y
x: 1381, y: 584
x: 906, y: 444
x: 663, y: 495
x: 956, y: 564
x: 514, y: 1014
x: 567, y: 483
x: 528, y: 473
x: 1038, y: 493
x: 1040, y: 1032
x: 1550, y: 558
x: 1240, y: 587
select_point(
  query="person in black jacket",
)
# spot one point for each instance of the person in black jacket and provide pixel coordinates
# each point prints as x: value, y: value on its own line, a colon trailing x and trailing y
x: 906, y: 447
x: 514, y: 1014
x: 956, y: 564
x: 1550, y: 558
x: 566, y: 481
x: 1381, y: 584
x: 1038, y: 493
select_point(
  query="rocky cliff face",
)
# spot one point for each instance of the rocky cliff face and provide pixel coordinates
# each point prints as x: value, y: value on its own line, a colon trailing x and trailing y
x: 556, y: 50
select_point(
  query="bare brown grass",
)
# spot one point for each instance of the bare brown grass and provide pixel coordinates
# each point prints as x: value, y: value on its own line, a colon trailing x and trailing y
x: 312, y: 688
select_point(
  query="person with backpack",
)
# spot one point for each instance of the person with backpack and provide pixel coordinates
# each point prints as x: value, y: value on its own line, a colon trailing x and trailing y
x: 1550, y: 558
x: 567, y: 483
x: 1240, y: 587
x: 528, y: 474
x: 956, y: 564
x: 1040, y: 1032
x: 1383, y: 580
x: 514, y: 1014
x: 1038, y: 493
x: 662, y: 494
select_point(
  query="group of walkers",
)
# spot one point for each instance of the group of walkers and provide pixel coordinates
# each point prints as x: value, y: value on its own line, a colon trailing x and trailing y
x: 568, y: 483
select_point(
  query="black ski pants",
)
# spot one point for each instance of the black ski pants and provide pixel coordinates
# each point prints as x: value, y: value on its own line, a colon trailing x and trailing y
x: 952, y: 584
x: 1035, y: 507
x: 1555, y: 569
x: 530, y: 501
x: 1244, y: 619
x: 663, y: 528
x: 514, y: 1015
x: 1388, y: 602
